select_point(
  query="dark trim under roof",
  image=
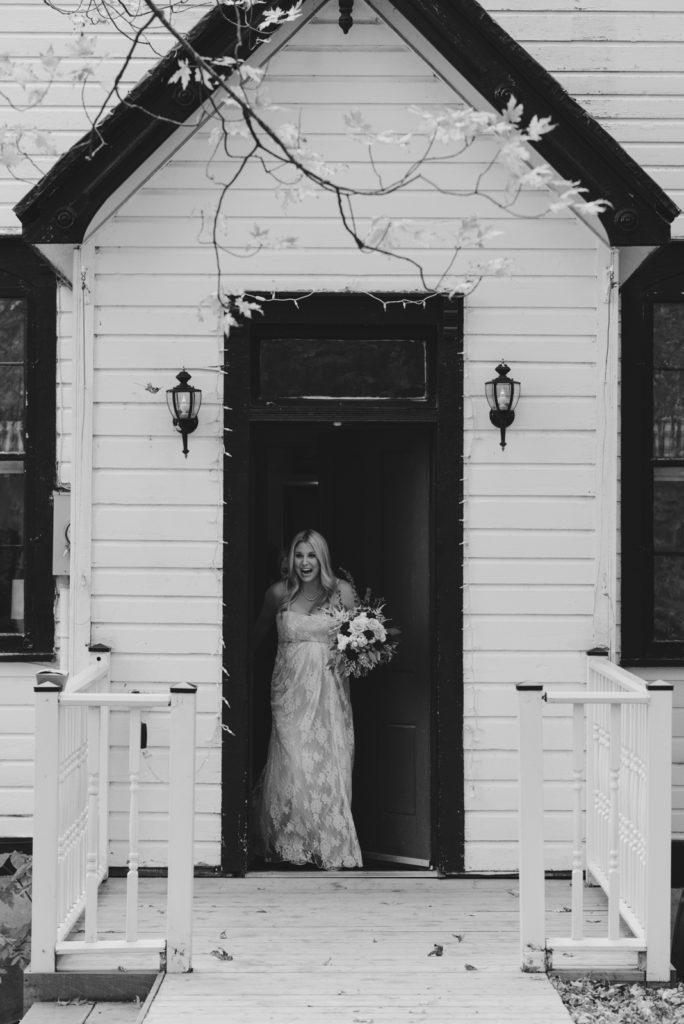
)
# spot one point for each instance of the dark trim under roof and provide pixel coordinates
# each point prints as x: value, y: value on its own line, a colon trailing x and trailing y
x: 60, y: 207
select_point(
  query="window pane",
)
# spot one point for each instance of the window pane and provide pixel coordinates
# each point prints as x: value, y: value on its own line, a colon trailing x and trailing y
x: 342, y: 368
x: 11, y: 547
x: 668, y: 336
x: 12, y: 330
x: 668, y: 502
x: 668, y: 586
x: 668, y: 414
x: 12, y: 341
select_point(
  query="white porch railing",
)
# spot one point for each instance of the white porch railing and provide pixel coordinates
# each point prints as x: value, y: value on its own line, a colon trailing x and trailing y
x: 622, y: 785
x: 71, y: 816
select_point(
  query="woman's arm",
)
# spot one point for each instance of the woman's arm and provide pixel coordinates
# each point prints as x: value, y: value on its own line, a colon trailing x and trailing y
x: 272, y: 600
x: 347, y: 595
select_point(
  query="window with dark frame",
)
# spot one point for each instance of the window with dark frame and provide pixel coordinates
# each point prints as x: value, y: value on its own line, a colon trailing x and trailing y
x: 652, y: 466
x: 27, y: 451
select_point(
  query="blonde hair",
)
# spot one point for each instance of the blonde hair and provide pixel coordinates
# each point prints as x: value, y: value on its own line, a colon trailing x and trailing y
x: 328, y: 579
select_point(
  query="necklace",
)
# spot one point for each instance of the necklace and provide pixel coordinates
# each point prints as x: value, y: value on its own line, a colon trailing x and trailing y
x: 314, y: 598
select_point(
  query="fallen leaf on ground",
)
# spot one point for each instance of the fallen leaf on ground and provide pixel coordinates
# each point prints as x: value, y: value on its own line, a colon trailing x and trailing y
x: 221, y: 954
x: 469, y: 967
x: 436, y: 950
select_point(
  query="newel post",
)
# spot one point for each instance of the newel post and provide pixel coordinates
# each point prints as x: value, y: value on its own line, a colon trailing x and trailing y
x: 659, y: 831
x: 531, y: 825
x: 181, y: 828
x: 49, y: 685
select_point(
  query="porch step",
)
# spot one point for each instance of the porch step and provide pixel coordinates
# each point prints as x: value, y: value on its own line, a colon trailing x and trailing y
x: 89, y: 996
x: 83, y: 1013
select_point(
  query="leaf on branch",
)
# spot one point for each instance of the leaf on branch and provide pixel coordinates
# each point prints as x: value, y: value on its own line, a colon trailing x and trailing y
x: 537, y: 177
x: 498, y: 266
x: 43, y: 143
x: 251, y: 75
x: 286, y: 242
x: 289, y: 134
x: 513, y: 111
x: 182, y: 74
x: 225, y: 62
x: 294, y: 193
x: 82, y: 45
x: 277, y: 16
x: 357, y: 125
x: 537, y: 127
x: 50, y: 61
x: 259, y: 234
x: 593, y: 207
x: 245, y: 308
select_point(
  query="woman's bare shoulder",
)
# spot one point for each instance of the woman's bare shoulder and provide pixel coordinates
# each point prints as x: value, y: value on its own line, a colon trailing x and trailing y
x: 275, y: 593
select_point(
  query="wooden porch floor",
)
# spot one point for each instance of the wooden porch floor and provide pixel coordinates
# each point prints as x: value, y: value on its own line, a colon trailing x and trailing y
x: 351, y: 948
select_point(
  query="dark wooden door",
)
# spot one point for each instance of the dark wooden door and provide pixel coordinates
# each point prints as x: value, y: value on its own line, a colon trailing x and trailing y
x: 392, y: 705
x: 367, y: 489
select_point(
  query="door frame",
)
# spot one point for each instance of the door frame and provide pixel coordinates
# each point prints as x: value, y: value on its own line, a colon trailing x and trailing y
x: 351, y: 313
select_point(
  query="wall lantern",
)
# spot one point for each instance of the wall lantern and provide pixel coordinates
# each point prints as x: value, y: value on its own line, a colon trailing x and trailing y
x: 184, y: 403
x: 502, y: 395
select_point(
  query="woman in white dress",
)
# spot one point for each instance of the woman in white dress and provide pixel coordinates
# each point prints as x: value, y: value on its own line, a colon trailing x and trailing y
x: 302, y: 801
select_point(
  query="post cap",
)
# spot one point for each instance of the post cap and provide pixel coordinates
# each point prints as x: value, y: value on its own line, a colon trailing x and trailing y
x: 529, y: 686
x: 183, y: 688
x: 50, y: 680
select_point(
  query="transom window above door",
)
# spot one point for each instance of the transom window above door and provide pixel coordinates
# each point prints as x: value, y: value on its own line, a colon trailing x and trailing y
x: 346, y: 350
x: 339, y: 368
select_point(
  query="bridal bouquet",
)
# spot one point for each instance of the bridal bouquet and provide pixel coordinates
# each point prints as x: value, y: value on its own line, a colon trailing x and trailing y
x: 361, y: 638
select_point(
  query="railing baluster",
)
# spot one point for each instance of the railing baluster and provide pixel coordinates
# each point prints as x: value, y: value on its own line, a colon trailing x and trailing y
x: 92, y: 854
x: 133, y: 823
x: 578, y: 732
x: 615, y: 751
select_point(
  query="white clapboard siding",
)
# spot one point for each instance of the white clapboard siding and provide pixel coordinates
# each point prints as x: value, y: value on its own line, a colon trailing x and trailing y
x: 17, y: 747
x: 153, y: 266
x: 676, y: 677
x: 30, y: 28
x: 623, y: 61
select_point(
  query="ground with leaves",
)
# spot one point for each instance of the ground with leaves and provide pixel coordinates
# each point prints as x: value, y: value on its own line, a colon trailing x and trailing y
x: 600, y: 1002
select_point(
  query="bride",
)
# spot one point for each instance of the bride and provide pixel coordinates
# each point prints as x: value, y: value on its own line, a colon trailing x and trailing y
x: 302, y: 801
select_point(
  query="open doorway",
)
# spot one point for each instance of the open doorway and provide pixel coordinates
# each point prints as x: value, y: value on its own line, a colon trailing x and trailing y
x: 344, y: 413
x: 366, y: 487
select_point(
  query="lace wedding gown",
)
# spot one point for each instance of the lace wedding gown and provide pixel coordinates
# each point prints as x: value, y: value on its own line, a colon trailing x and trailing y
x: 302, y: 801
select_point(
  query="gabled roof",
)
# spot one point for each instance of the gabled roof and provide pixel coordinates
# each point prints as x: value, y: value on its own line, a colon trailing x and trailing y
x: 61, y: 205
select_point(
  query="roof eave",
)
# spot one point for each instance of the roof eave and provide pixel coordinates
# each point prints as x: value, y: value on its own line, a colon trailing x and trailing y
x: 60, y: 207
x: 578, y: 148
